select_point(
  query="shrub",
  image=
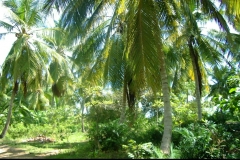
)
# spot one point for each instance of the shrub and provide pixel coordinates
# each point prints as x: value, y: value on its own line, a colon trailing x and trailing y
x: 108, y: 136
x: 154, y: 134
x: 139, y: 151
x: 199, y: 141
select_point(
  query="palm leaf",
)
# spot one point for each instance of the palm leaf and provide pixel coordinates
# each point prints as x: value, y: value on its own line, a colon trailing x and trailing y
x: 115, y: 63
x: 231, y: 6
x: 6, y: 25
x: 141, y: 47
x: 210, y: 9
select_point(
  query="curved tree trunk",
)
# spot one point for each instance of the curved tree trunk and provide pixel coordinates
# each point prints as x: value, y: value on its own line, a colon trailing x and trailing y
x: 9, y: 115
x: 197, y: 77
x: 167, y: 132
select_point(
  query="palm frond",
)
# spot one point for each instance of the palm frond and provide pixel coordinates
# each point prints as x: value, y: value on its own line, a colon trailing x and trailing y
x: 76, y: 12
x: 187, y: 7
x: 168, y: 14
x: 33, y: 18
x: 2, y: 35
x: 115, y: 64
x: 210, y: 8
x: 50, y: 5
x: 209, y: 53
x: 13, y: 5
x: 6, y: 25
x: 231, y: 6
x: 141, y: 47
x: 88, y: 49
x: 14, y: 18
x: 218, y: 41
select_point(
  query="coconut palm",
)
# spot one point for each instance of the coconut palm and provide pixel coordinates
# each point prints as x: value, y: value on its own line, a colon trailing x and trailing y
x: 25, y: 67
x: 143, y: 25
x: 201, y: 49
x: 144, y: 62
x: 59, y: 69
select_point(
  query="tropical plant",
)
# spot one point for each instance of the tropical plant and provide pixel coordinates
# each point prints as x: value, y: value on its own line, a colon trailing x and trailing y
x: 25, y: 67
x: 141, y: 24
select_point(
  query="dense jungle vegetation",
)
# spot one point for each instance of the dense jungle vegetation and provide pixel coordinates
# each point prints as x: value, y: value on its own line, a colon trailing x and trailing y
x: 131, y: 78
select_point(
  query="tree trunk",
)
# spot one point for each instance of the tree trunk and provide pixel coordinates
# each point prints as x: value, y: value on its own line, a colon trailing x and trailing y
x: 123, y: 109
x: 9, y: 115
x: 82, y: 119
x: 53, y: 101
x: 131, y: 103
x: 197, y: 77
x: 167, y: 132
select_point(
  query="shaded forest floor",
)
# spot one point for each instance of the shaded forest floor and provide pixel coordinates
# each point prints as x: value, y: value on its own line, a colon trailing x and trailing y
x: 11, y: 152
x: 76, y: 146
x: 41, y: 147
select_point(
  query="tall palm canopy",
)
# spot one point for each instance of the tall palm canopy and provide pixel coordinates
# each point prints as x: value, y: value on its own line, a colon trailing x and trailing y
x: 123, y: 43
x: 139, y: 29
x: 26, y: 65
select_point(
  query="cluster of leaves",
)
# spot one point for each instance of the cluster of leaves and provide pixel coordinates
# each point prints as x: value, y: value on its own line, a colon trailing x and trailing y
x: 207, y: 140
x: 139, y: 151
x: 196, y: 141
x: 55, y: 122
x: 109, y: 136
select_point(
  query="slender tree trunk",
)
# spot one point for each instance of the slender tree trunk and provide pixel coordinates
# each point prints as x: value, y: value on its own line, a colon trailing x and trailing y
x: 82, y: 119
x: 167, y: 119
x: 196, y: 78
x: 123, y: 108
x: 53, y: 102
x: 167, y: 132
x: 131, y: 103
x: 9, y: 115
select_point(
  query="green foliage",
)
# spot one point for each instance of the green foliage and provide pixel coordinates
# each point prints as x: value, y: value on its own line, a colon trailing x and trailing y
x: 147, y: 151
x: 138, y: 131
x: 139, y: 151
x: 57, y: 123
x: 195, y: 141
x: 102, y: 114
x: 184, y: 112
x: 154, y: 134
x: 226, y: 138
x: 228, y: 106
x: 207, y: 140
x: 17, y: 130
x: 108, y: 136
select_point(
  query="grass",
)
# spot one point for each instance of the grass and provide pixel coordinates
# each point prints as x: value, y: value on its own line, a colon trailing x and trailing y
x: 75, y: 146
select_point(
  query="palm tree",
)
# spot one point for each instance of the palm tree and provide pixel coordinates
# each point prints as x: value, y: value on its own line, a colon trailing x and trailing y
x: 142, y: 46
x: 16, y: 67
x: 143, y: 26
x: 59, y: 68
x: 200, y: 48
x: 26, y: 64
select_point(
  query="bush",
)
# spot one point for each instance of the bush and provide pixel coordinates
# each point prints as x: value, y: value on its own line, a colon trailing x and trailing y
x: 139, y: 151
x: 154, y: 134
x: 17, y: 130
x: 108, y: 136
x: 200, y: 141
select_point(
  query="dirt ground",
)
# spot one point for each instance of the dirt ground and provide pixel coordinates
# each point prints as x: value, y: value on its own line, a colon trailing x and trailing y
x: 9, y: 152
